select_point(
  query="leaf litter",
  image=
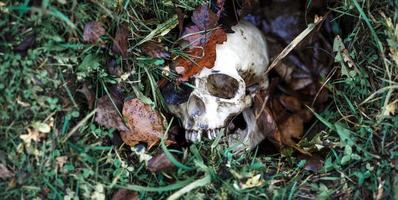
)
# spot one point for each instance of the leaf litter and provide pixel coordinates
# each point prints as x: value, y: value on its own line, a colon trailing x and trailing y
x: 93, y: 32
x: 281, y: 116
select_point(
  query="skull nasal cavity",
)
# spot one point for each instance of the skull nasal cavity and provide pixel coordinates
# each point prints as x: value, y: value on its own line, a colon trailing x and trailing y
x: 223, y: 86
x: 196, y: 107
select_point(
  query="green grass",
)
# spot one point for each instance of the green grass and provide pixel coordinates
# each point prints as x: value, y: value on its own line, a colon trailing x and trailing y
x: 40, y: 86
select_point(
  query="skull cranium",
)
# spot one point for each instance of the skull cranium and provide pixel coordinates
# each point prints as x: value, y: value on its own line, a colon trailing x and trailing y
x: 220, y: 93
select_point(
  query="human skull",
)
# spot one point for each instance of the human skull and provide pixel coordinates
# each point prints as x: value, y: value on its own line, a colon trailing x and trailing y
x: 220, y: 93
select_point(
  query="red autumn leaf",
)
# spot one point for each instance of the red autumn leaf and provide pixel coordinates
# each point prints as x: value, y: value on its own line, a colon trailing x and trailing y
x: 155, y: 49
x: 207, y: 60
x: 93, y: 31
x: 145, y: 125
x: 120, y: 44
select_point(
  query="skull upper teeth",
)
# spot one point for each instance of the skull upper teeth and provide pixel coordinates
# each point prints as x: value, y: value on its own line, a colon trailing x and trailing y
x: 196, y: 135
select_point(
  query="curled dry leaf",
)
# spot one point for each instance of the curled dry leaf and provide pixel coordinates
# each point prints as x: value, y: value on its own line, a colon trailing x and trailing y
x: 93, y: 31
x: 207, y: 60
x: 120, y: 44
x: 145, y: 125
x: 124, y: 194
x: 159, y: 162
x: 155, y: 49
x: 108, y: 115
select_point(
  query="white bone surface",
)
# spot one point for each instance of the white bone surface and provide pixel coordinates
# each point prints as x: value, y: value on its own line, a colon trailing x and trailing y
x: 243, y: 57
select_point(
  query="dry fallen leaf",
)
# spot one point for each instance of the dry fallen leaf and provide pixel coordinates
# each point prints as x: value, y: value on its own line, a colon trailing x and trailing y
x: 4, y: 172
x: 290, y: 102
x: 207, y: 60
x: 194, y: 36
x: 314, y: 163
x: 204, y: 20
x: 107, y: 114
x: 26, y: 44
x: 120, y: 44
x: 124, y: 194
x: 181, y: 16
x: 33, y: 134
x: 93, y: 32
x: 60, y: 160
x: 155, y: 49
x: 88, y: 94
x: 292, y: 128
x: 265, y: 119
x: 159, y: 162
x: 145, y: 125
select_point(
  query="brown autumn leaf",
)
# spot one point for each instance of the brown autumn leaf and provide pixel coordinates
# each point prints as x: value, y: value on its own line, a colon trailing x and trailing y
x: 207, y: 60
x: 292, y: 128
x: 124, y: 194
x: 204, y: 18
x: 192, y: 34
x: 155, y: 49
x: 120, y: 44
x: 93, y: 32
x: 159, y: 162
x: 107, y: 114
x: 145, y: 124
x: 290, y: 102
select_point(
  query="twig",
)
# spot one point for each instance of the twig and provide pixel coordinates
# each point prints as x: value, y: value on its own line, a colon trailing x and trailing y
x: 294, y: 43
x: 80, y: 124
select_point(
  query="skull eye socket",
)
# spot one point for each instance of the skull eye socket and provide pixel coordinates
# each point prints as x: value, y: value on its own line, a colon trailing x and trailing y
x: 223, y: 86
x: 196, y: 107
